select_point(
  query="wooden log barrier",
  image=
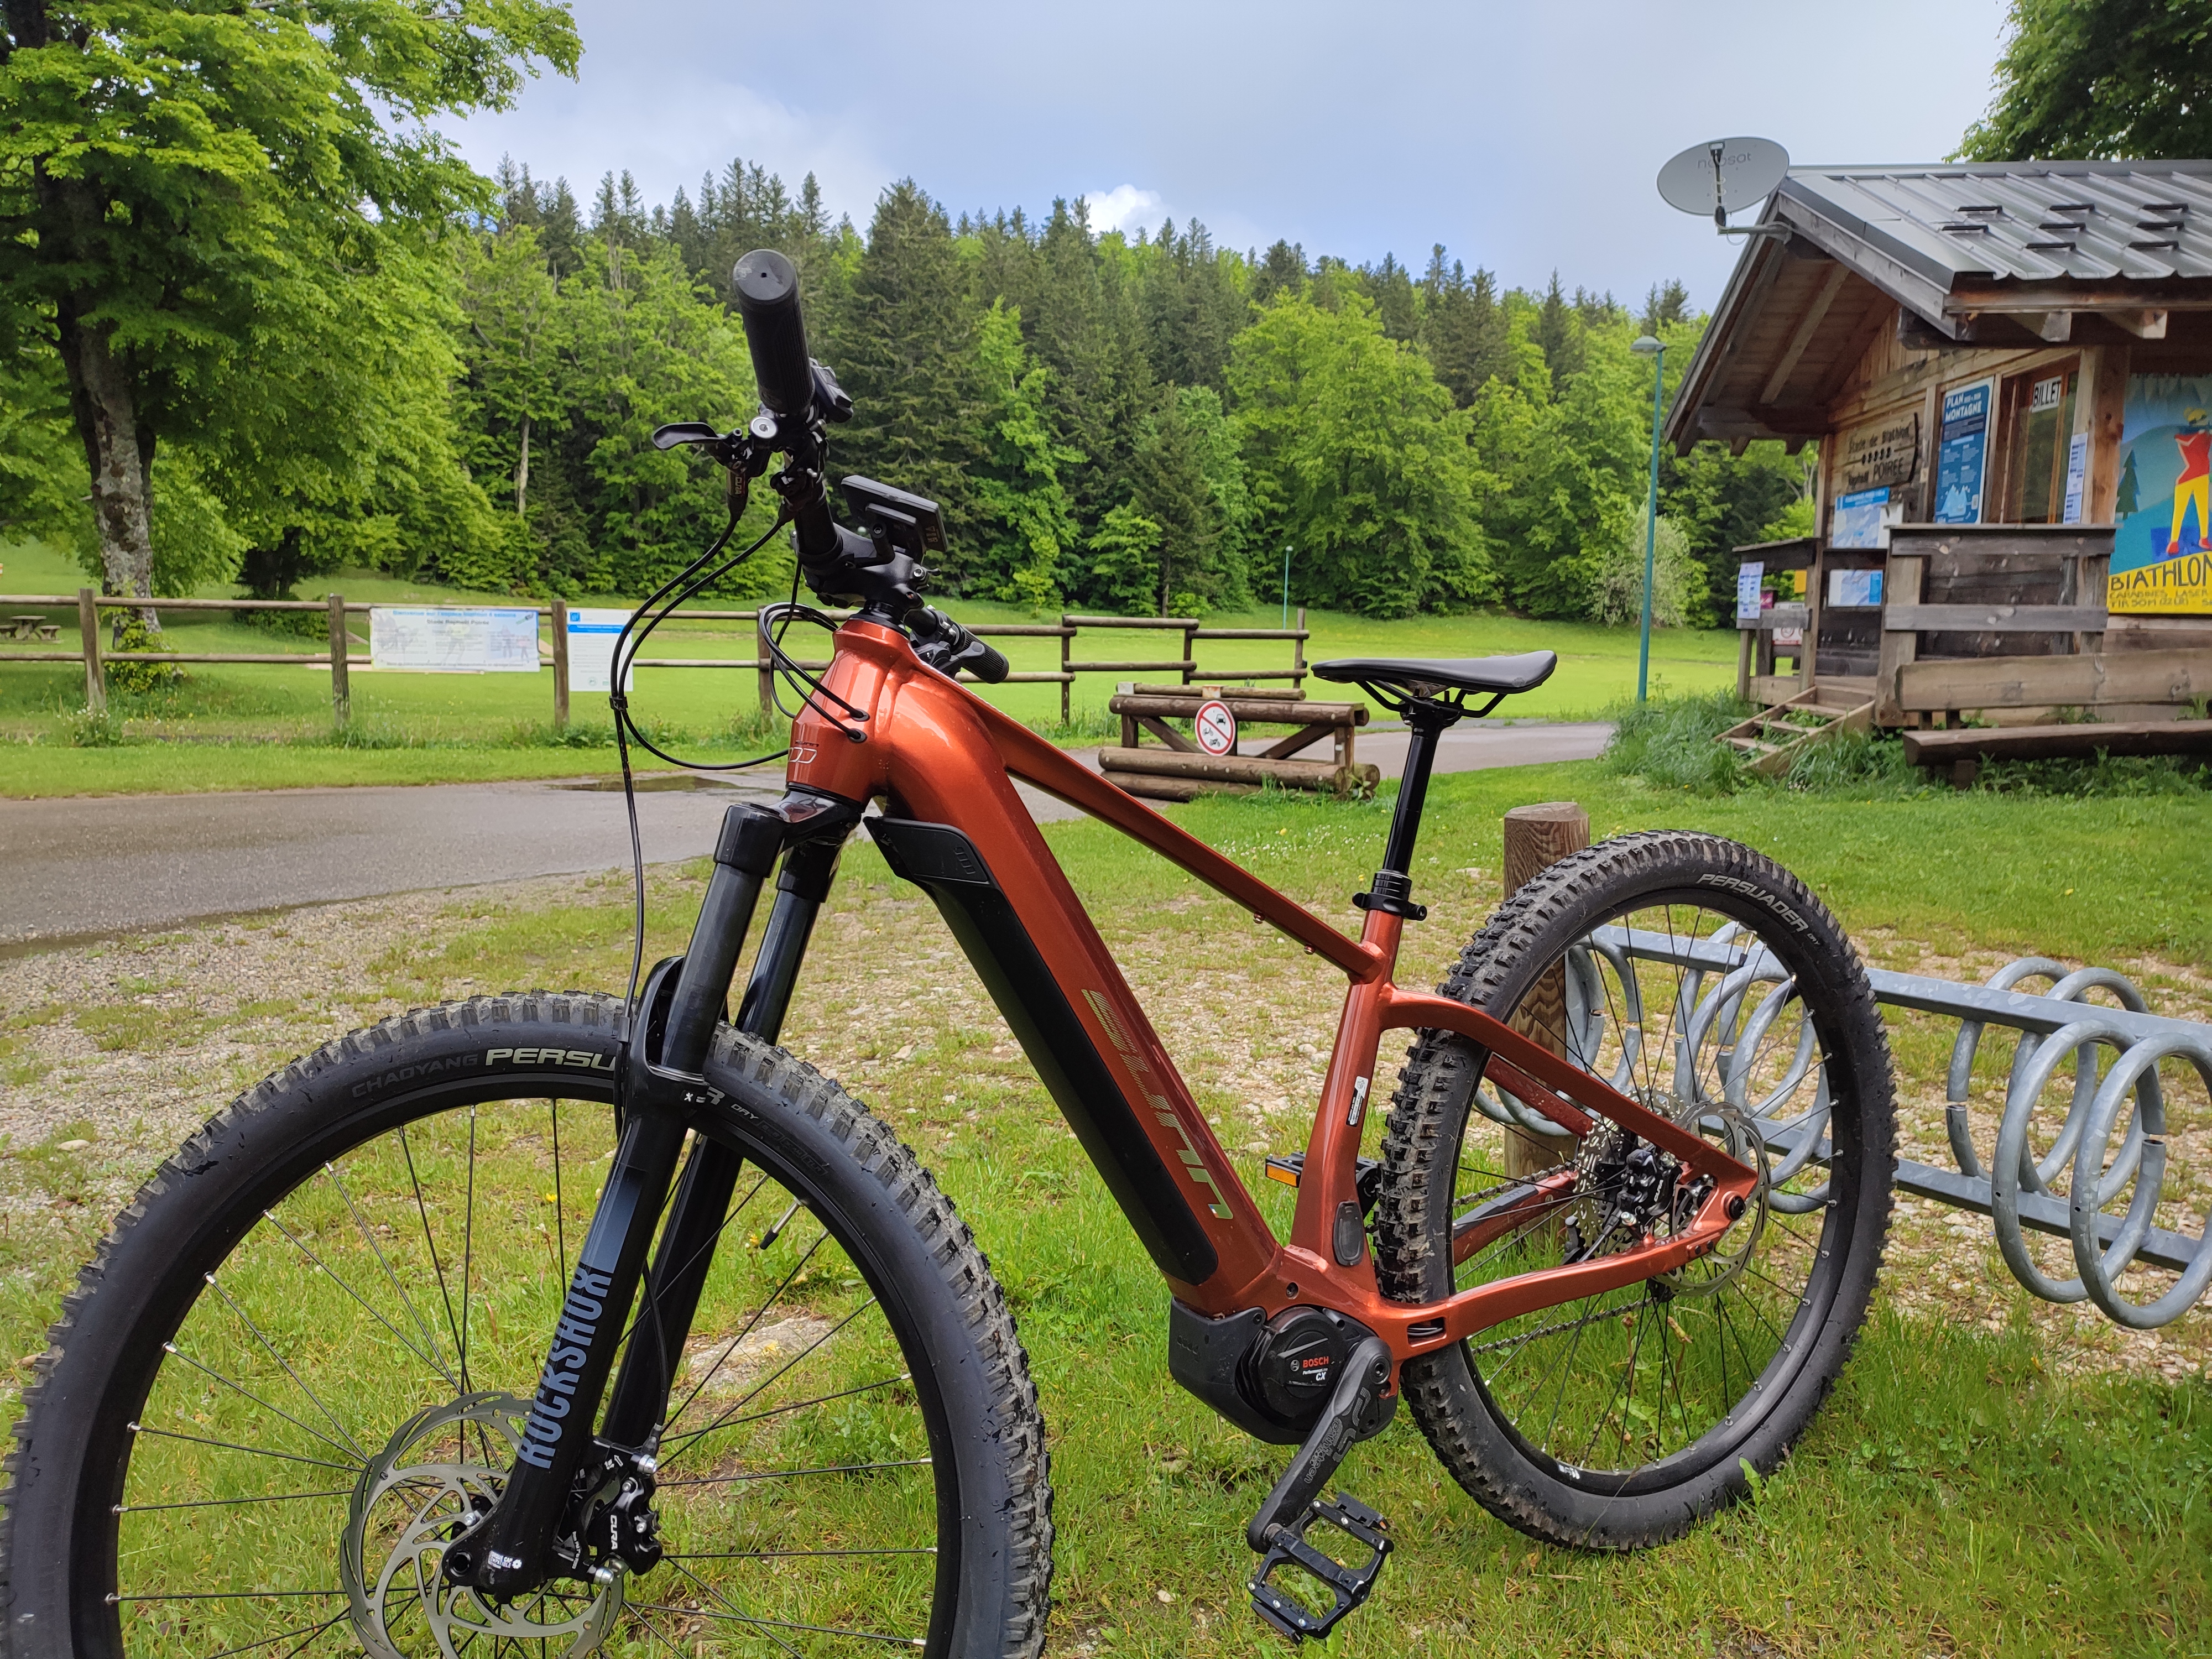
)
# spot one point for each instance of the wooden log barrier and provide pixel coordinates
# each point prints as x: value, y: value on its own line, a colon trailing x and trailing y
x: 1537, y: 837
x: 1178, y: 770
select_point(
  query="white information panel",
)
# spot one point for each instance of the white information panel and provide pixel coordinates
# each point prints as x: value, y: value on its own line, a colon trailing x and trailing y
x: 450, y: 640
x: 591, y: 649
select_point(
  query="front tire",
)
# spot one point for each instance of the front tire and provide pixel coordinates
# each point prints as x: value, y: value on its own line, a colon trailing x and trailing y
x: 1703, y: 978
x: 365, y: 1255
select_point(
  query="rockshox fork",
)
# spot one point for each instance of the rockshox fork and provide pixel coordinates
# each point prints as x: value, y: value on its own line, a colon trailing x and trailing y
x: 577, y: 1501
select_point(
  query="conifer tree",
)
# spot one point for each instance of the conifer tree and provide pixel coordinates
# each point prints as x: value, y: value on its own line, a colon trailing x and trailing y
x: 906, y: 348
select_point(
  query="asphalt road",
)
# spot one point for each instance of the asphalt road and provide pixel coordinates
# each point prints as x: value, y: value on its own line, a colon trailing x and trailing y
x: 73, y: 868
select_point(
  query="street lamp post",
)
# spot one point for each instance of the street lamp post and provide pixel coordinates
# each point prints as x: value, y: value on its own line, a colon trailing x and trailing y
x: 1648, y: 346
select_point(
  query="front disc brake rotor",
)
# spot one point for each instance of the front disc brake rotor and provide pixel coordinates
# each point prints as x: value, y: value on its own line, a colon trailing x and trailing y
x: 444, y: 1468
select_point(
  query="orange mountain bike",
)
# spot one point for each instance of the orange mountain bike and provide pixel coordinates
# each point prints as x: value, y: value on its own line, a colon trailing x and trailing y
x: 349, y: 1376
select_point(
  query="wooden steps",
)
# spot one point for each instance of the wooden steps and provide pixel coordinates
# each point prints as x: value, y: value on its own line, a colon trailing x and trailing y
x: 1771, y: 741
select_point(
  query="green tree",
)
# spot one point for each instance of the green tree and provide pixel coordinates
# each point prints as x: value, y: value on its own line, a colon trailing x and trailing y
x: 644, y: 342
x: 179, y: 184
x: 905, y: 347
x: 2100, y: 79
x: 1028, y: 519
x: 1125, y: 562
x: 1463, y: 326
x: 1172, y: 490
x: 1356, y: 457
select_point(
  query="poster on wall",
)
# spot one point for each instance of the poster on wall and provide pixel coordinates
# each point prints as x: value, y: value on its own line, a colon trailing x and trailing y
x: 1862, y: 519
x: 1961, y: 447
x: 2077, y: 473
x: 1854, y: 589
x: 2161, y: 541
x: 1747, y: 579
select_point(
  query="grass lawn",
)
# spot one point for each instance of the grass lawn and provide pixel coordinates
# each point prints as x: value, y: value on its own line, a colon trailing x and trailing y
x: 442, y: 728
x: 1987, y: 1479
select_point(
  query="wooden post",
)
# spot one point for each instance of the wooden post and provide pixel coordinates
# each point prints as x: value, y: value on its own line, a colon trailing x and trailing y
x: 1067, y: 674
x: 1537, y: 837
x: 341, y: 687
x: 88, y: 622
x: 1900, y: 586
x: 767, y: 670
x: 1298, y: 664
x: 560, y: 665
x: 1189, y: 651
x: 1746, y: 648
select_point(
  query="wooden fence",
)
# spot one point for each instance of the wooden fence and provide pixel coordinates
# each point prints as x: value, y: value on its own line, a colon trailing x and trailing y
x: 554, y: 652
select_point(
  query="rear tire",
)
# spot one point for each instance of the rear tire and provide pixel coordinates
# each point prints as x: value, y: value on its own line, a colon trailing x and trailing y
x: 1622, y: 1420
x: 938, y: 1443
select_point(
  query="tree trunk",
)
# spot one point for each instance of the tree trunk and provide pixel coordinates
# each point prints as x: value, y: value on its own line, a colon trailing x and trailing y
x: 119, y: 451
x: 522, y: 470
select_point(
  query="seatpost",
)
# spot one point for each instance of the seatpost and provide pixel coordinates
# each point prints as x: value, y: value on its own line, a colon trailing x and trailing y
x: 1392, y: 891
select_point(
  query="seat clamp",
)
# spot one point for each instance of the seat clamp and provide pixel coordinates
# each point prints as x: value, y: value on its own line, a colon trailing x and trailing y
x: 1392, y: 893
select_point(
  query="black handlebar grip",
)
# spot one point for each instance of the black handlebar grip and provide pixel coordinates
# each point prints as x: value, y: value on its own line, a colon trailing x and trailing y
x: 767, y: 289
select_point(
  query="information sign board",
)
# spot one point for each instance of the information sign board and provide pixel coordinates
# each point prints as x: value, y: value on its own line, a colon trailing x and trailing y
x: 452, y: 640
x: 592, y: 634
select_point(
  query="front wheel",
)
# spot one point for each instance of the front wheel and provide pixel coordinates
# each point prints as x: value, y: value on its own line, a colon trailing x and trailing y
x: 1704, y: 981
x: 299, y: 1361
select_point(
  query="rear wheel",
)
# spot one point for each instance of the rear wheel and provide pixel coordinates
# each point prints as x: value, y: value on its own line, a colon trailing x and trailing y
x: 301, y: 1359
x: 1706, y: 981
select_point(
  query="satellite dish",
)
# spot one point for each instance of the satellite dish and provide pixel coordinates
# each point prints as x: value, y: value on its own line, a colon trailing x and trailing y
x: 1723, y: 174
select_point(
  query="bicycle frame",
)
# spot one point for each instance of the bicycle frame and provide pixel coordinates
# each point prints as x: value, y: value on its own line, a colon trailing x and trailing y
x: 885, y: 724
x: 943, y: 757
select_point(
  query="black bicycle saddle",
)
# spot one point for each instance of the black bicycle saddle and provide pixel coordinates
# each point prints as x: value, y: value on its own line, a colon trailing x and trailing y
x: 1503, y: 675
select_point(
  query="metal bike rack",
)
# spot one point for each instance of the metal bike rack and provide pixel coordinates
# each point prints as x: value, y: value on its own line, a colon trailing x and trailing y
x: 2014, y: 1190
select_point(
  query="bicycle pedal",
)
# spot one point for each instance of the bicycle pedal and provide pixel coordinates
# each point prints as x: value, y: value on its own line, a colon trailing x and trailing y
x: 1348, y: 1586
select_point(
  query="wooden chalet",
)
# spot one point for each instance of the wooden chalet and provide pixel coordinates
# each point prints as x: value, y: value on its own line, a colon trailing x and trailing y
x: 2007, y: 370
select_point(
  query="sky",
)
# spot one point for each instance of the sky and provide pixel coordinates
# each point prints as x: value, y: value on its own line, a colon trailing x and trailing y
x: 1525, y: 138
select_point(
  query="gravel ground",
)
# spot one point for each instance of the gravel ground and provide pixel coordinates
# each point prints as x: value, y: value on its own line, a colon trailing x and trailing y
x: 110, y: 1054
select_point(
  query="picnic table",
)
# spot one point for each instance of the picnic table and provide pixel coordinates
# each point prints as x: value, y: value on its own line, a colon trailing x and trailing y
x: 33, y: 625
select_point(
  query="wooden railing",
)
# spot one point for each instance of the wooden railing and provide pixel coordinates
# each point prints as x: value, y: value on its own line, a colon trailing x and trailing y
x: 554, y: 650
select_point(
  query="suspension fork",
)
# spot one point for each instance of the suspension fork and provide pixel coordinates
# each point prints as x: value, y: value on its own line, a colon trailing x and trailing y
x: 516, y: 1546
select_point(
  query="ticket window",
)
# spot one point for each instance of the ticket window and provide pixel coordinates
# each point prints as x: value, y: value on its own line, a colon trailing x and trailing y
x: 2038, y: 424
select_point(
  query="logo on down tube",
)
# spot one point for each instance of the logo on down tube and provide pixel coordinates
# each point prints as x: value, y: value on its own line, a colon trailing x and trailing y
x: 557, y: 1385
x: 1193, y: 1165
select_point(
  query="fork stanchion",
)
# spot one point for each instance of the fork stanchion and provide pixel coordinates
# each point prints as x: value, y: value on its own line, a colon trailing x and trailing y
x: 1537, y: 837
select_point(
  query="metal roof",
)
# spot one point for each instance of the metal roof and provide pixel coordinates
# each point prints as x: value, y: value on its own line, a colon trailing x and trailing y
x: 2030, y: 222
x: 1994, y: 253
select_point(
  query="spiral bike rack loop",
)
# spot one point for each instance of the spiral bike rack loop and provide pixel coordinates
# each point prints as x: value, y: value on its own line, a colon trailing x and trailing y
x: 2111, y: 1144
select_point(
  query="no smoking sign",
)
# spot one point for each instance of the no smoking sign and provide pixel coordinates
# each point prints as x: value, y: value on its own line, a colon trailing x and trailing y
x: 1215, y: 728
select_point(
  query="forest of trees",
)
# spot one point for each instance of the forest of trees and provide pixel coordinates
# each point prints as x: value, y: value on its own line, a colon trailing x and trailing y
x: 284, y: 333
x: 1138, y: 423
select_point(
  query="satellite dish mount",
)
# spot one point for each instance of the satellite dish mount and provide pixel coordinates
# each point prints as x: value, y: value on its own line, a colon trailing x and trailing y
x: 1723, y: 175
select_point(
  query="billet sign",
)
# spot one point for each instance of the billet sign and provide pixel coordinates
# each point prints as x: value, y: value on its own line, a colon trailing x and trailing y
x: 452, y: 640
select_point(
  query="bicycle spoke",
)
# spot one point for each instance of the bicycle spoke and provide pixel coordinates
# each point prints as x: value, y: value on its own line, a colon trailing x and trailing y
x: 229, y: 1445
x: 723, y: 1421
x: 173, y: 1350
x: 352, y: 1445
x: 231, y: 1503
x: 404, y: 1341
x: 797, y: 1268
x: 421, y: 1209
x: 792, y: 1474
x: 407, y: 1301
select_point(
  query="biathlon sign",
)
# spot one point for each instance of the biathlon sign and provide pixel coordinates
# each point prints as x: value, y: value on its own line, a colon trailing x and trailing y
x: 1215, y: 728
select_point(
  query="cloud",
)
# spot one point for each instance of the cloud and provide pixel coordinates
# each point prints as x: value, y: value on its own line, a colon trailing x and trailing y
x: 1120, y: 207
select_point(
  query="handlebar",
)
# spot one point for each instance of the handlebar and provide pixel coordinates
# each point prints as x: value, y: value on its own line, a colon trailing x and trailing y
x: 766, y: 285
x: 948, y: 647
